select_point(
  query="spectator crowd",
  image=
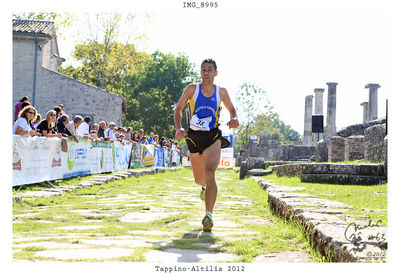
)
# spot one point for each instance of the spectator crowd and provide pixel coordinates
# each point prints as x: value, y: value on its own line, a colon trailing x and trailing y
x: 57, y: 124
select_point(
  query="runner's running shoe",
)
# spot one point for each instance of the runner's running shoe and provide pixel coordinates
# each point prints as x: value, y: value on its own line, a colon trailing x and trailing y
x: 202, y: 197
x: 207, y: 223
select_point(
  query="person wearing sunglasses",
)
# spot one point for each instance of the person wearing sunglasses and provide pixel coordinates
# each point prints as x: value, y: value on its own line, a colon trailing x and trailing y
x: 23, y: 125
x: 47, y: 127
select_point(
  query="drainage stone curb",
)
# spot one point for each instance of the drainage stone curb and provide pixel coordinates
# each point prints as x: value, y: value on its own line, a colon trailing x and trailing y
x: 97, y: 180
x: 335, y: 237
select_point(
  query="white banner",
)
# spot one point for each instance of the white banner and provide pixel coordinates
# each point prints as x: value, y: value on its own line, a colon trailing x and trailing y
x: 77, y: 161
x: 227, y: 152
x: 121, y: 155
x: 227, y: 162
x: 37, y: 159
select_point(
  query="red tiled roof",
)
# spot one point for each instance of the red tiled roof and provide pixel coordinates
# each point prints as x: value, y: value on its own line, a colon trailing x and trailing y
x: 32, y: 26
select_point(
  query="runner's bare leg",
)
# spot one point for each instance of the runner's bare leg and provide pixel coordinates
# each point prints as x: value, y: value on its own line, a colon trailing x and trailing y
x: 211, y: 160
x: 197, y: 162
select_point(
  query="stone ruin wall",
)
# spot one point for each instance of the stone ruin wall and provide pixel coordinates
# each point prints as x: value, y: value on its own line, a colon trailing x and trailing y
x: 297, y: 152
x: 272, y: 150
x: 374, y: 146
x: 348, y: 145
x: 370, y: 146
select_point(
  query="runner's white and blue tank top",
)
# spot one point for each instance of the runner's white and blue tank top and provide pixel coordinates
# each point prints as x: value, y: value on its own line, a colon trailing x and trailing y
x: 204, y: 111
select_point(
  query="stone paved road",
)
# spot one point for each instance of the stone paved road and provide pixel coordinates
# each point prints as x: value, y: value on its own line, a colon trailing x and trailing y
x: 154, y: 218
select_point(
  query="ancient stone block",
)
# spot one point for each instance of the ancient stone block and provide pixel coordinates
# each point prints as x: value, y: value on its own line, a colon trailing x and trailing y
x: 354, y: 148
x: 297, y: 152
x: 336, y: 149
x: 374, y: 143
x: 289, y: 170
x: 243, y: 170
x: 255, y: 163
x: 340, y: 178
x: 263, y: 140
x: 259, y: 172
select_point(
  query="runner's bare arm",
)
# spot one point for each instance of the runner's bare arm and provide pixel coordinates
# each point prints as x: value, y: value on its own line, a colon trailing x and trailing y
x: 234, y: 122
x: 186, y: 95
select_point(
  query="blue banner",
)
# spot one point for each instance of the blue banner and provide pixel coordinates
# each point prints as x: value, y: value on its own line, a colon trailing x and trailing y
x: 230, y: 138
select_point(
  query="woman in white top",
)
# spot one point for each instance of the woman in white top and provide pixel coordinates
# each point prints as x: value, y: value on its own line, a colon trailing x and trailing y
x: 23, y: 124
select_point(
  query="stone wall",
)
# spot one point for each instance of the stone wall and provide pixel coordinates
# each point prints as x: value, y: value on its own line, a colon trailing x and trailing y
x: 322, y: 151
x: 336, y: 149
x: 358, y: 129
x: 53, y: 88
x: 23, y: 67
x: 288, y: 170
x: 374, y: 143
x: 354, y: 148
x: 364, y: 174
x: 297, y: 152
x: 78, y: 98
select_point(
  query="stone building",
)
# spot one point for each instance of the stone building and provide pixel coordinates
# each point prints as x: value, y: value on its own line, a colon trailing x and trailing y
x: 36, y: 59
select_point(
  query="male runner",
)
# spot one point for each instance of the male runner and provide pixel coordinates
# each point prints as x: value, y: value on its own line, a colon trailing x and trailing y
x: 204, y: 139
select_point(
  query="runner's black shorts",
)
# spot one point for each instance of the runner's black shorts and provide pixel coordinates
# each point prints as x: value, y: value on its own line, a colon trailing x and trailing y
x: 198, y: 141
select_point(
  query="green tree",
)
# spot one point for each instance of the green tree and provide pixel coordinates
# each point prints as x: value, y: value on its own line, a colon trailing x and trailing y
x: 250, y: 101
x: 104, y: 65
x: 104, y: 60
x: 257, y: 117
x: 153, y: 92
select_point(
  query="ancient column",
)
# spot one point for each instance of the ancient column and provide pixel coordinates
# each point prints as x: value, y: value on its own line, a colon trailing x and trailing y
x: 308, y: 120
x: 318, y: 110
x: 331, y: 112
x: 319, y: 100
x: 373, y: 101
x: 365, y: 111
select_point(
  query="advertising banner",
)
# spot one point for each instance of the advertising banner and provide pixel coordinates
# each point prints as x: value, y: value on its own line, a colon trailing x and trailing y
x: 227, y: 162
x: 36, y: 159
x: 166, y: 158
x: 159, y: 157
x: 148, y: 155
x: 121, y: 155
x: 101, y: 159
x: 185, y: 162
x: 78, y: 159
x: 137, y: 156
x: 228, y: 152
x: 227, y: 159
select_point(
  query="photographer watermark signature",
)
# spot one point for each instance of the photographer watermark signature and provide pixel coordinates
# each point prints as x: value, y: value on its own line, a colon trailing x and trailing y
x: 359, y: 237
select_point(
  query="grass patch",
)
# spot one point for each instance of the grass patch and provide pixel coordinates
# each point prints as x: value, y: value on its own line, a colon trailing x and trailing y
x: 360, y: 197
x: 161, y: 189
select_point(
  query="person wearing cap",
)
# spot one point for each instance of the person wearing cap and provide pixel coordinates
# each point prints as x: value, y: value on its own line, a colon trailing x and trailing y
x: 109, y: 133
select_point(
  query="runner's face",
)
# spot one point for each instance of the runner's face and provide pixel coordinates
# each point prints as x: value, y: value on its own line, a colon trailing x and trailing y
x: 208, y: 73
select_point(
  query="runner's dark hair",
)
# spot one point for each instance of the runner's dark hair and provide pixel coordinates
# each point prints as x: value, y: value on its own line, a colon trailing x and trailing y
x: 211, y: 61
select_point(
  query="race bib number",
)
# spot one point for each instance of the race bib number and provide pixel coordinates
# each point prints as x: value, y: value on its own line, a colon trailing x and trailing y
x: 200, y: 124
